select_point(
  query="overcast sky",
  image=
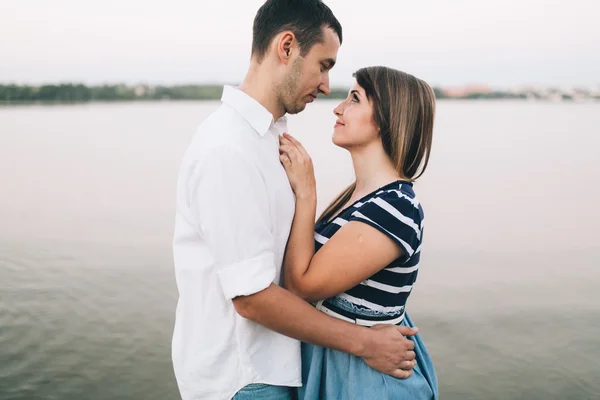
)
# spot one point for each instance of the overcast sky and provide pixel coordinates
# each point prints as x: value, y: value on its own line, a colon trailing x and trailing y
x: 501, y: 43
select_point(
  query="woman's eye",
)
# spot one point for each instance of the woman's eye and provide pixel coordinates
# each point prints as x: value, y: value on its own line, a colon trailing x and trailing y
x: 354, y: 98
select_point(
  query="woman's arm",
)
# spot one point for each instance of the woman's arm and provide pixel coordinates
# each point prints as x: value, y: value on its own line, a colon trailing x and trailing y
x: 301, y: 246
x: 356, y: 252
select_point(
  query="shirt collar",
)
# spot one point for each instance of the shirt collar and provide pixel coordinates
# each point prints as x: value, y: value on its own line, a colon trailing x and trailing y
x: 251, y: 110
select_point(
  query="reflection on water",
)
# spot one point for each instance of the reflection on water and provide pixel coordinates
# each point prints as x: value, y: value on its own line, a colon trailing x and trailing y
x: 507, y: 298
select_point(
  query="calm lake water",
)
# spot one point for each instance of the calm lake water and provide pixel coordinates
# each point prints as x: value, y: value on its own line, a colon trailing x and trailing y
x: 508, y: 297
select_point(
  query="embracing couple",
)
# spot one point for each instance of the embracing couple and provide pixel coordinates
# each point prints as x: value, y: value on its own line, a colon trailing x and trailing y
x: 273, y: 305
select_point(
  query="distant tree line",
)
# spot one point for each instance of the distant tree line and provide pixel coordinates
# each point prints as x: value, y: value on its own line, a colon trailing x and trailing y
x: 79, y: 93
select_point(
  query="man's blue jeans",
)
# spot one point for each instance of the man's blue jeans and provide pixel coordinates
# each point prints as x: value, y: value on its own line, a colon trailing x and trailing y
x: 260, y: 391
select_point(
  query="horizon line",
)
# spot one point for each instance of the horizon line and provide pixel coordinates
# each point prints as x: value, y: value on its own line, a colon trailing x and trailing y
x: 473, y: 84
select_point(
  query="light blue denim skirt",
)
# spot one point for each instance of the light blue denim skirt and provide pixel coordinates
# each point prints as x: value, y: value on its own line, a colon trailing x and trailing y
x: 333, y: 375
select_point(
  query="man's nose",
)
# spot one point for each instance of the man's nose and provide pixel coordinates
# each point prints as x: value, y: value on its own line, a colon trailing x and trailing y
x: 324, y: 86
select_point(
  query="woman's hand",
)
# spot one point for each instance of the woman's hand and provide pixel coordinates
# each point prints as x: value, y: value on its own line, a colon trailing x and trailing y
x: 301, y: 243
x: 298, y: 167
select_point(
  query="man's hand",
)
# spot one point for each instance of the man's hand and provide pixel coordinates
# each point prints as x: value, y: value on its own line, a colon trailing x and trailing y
x: 389, y: 351
x: 383, y: 347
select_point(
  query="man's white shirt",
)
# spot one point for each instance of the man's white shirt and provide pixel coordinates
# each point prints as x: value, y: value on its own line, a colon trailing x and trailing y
x: 234, y: 213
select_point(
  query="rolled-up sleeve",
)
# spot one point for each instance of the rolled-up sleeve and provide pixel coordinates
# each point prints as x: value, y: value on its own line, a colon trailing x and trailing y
x: 230, y: 207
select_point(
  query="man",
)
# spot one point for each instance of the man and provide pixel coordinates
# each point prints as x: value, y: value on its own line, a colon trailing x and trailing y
x: 237, y: 333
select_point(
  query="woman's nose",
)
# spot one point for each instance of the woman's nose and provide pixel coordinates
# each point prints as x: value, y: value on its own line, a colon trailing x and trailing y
x: 338, y: 110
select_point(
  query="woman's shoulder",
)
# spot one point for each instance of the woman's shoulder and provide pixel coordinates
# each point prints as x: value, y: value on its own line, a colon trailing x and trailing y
x: 396, y: 198
x: 396, y: 212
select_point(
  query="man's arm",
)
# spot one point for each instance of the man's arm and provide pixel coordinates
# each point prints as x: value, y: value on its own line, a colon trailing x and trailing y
x: 383, y: 347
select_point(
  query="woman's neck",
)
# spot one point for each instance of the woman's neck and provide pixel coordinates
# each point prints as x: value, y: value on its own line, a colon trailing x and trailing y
x: 372, y: 169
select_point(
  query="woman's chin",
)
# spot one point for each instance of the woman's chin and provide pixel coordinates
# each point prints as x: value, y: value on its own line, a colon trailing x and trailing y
x: 337, y: 140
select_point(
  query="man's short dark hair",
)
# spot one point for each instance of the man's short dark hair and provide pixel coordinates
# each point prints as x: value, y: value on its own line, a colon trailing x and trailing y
x: 305, y: 18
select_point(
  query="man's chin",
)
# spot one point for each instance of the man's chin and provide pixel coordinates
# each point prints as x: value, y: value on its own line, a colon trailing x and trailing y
x: 297, y: 109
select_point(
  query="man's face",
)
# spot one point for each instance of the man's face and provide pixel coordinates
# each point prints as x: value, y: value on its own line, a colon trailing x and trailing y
x: 308, y: 76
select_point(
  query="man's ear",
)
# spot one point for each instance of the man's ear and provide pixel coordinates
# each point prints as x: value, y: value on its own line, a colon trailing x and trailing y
x: 285, y: 46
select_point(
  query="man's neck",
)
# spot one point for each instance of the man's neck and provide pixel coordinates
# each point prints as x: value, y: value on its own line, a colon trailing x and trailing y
x: 258, y: 85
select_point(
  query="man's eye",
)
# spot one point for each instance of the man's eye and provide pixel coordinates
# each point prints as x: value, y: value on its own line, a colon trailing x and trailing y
x: 323, y: 67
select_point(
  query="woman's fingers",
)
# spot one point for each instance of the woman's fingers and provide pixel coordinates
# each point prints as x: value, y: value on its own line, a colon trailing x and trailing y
x: 287, y: 148
x: 296, y: 143
x: 298, y: 154
x: 285, y: 160
x: 292, y: 151
x: 292, y: 139
x: 284, y: 140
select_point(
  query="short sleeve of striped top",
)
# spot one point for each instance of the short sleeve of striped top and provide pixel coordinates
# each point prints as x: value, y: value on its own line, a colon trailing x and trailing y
x: 396, y: 213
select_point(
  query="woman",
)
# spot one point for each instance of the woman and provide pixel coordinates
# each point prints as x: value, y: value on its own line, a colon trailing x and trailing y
x: 360, y: 260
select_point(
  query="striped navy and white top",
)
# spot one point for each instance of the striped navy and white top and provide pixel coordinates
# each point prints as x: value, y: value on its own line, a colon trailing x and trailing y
x: 394, y: 211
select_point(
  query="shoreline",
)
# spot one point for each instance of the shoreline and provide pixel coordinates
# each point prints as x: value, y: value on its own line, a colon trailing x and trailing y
x: 73, y: 93
x: 49, y: 103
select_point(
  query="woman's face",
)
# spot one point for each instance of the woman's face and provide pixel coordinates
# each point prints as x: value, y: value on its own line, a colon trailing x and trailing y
x: 355, y: 126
